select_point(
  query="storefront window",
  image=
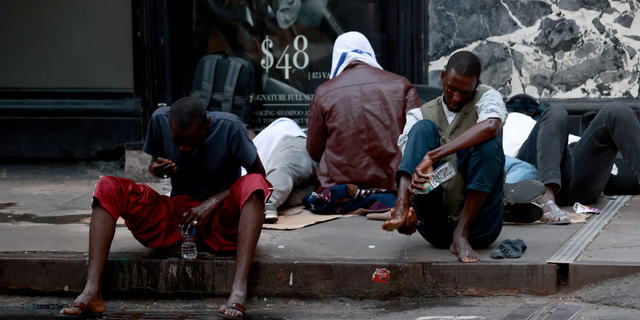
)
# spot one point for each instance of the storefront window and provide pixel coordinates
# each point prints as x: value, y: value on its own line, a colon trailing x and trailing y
x: 290, y: 43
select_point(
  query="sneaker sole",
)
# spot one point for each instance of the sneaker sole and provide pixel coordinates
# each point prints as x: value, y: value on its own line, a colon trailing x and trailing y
x: 271, y: 217
x: 522, y: 213
x: 270, y: 220
x: 524, y: 191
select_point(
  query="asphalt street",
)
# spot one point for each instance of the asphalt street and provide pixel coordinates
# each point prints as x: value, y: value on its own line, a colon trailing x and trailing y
x: 613, y: 299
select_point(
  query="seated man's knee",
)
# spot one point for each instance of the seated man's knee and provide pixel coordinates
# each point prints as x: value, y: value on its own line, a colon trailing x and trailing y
x: 492, y: 146
x: 556, y: 113
x: 108, y: 184
x: 107, y: 181
x: 423, y: 127
x: 249, y: 179
x: 252, y: 187
x: 615, y: 110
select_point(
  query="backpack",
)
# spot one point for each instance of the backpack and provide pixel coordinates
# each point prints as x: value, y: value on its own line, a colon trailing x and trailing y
x: 227, y: 84
x: 526, y: 104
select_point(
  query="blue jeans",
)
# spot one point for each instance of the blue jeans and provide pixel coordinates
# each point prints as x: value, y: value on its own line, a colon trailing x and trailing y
x: 482, y: 167
x: 518, y: 170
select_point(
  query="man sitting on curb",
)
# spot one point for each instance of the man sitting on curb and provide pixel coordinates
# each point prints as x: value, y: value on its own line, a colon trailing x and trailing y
x: 578, y: 172
x: 462, y: 127
x: 202, y: 152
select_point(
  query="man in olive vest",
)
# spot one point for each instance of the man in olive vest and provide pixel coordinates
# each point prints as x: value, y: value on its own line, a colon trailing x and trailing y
x: 463, y: 128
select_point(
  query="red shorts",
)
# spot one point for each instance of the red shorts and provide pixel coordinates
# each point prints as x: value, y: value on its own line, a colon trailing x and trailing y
x: 153, y: 218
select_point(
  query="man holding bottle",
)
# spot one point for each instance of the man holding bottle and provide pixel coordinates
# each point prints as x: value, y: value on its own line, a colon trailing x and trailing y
x: 202, y: 152
x: 462, y: 127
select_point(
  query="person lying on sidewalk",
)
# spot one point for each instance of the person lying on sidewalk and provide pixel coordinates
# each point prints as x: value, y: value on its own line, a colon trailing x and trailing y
x: 356, y: 117
x: 579, y: 171
x: 202, y: 152
x: 282, y: 150
x: 461, y: 127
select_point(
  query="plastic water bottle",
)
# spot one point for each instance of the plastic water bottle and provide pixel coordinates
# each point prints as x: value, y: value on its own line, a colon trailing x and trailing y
x: 440, y: 175
x: 189, y: 249
x: 165, y: 185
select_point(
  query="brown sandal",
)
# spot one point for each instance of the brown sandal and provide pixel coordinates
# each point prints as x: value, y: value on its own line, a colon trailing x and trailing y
x: 235, y: 306
x: 87, y: 313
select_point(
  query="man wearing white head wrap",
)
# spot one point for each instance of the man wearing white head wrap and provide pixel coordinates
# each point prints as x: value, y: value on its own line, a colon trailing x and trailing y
x: 356, y: 117
x: 350, y: 47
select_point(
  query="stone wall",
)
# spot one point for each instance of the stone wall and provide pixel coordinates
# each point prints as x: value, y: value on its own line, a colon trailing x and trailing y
x: 550, y: 49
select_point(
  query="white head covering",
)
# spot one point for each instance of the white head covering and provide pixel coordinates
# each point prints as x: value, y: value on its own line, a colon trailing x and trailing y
x: 350, y: 47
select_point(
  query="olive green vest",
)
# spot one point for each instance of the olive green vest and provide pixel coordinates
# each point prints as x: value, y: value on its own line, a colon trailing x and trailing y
x: 452, y: 194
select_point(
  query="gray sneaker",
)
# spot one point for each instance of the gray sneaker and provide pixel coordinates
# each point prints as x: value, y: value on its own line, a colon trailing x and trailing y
x: 271, y: 212
x: 525, y: 191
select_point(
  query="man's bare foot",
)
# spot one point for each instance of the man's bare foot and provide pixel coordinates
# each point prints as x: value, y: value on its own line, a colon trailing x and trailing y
x: 93, y: 301
x: 404, y: 223
x: 396, y: 221
x: 461, y: 247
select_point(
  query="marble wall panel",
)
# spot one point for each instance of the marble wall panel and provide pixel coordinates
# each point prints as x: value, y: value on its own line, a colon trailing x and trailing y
x: 551, y: 49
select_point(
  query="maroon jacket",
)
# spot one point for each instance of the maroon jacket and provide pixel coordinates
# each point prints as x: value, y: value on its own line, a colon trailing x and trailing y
x: 355, y: 120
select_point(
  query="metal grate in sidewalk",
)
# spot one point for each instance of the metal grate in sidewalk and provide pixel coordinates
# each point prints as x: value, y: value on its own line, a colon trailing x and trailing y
x: 570, y: 251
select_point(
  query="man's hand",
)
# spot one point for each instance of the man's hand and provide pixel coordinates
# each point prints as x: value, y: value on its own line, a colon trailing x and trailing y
x: 403, y: 217
x: 202, y: 213
x: 159, y: 167
x: 421, y: 175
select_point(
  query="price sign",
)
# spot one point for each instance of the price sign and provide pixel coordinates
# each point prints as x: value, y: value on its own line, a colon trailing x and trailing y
x: 300, y: 44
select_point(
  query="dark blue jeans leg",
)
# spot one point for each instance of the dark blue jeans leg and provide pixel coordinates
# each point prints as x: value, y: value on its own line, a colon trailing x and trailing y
x: 434, y: 223
x: 483, y: 169
x: 482, y: 165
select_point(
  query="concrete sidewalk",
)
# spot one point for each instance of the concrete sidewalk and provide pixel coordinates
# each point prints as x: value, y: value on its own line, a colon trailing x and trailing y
x: 43, y: 248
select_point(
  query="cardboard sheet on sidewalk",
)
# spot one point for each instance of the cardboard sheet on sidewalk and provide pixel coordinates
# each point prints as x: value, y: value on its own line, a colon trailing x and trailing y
x: 298, y: 217
x: 290, y: 219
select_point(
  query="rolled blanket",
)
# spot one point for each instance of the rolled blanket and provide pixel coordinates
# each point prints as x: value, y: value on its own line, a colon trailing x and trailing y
x: 347, y: 198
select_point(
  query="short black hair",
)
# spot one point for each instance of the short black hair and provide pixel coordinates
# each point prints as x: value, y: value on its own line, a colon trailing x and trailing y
x: 465, y: 63
x: 187, y: 112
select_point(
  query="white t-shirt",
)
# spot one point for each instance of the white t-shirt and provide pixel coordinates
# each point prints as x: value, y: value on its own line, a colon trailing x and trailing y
x: 489, y: 106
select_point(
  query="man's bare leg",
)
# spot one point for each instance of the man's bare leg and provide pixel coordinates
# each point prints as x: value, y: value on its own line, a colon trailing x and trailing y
x: 251, y: 219
x: 460, y: 244
x: 101, y: 231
